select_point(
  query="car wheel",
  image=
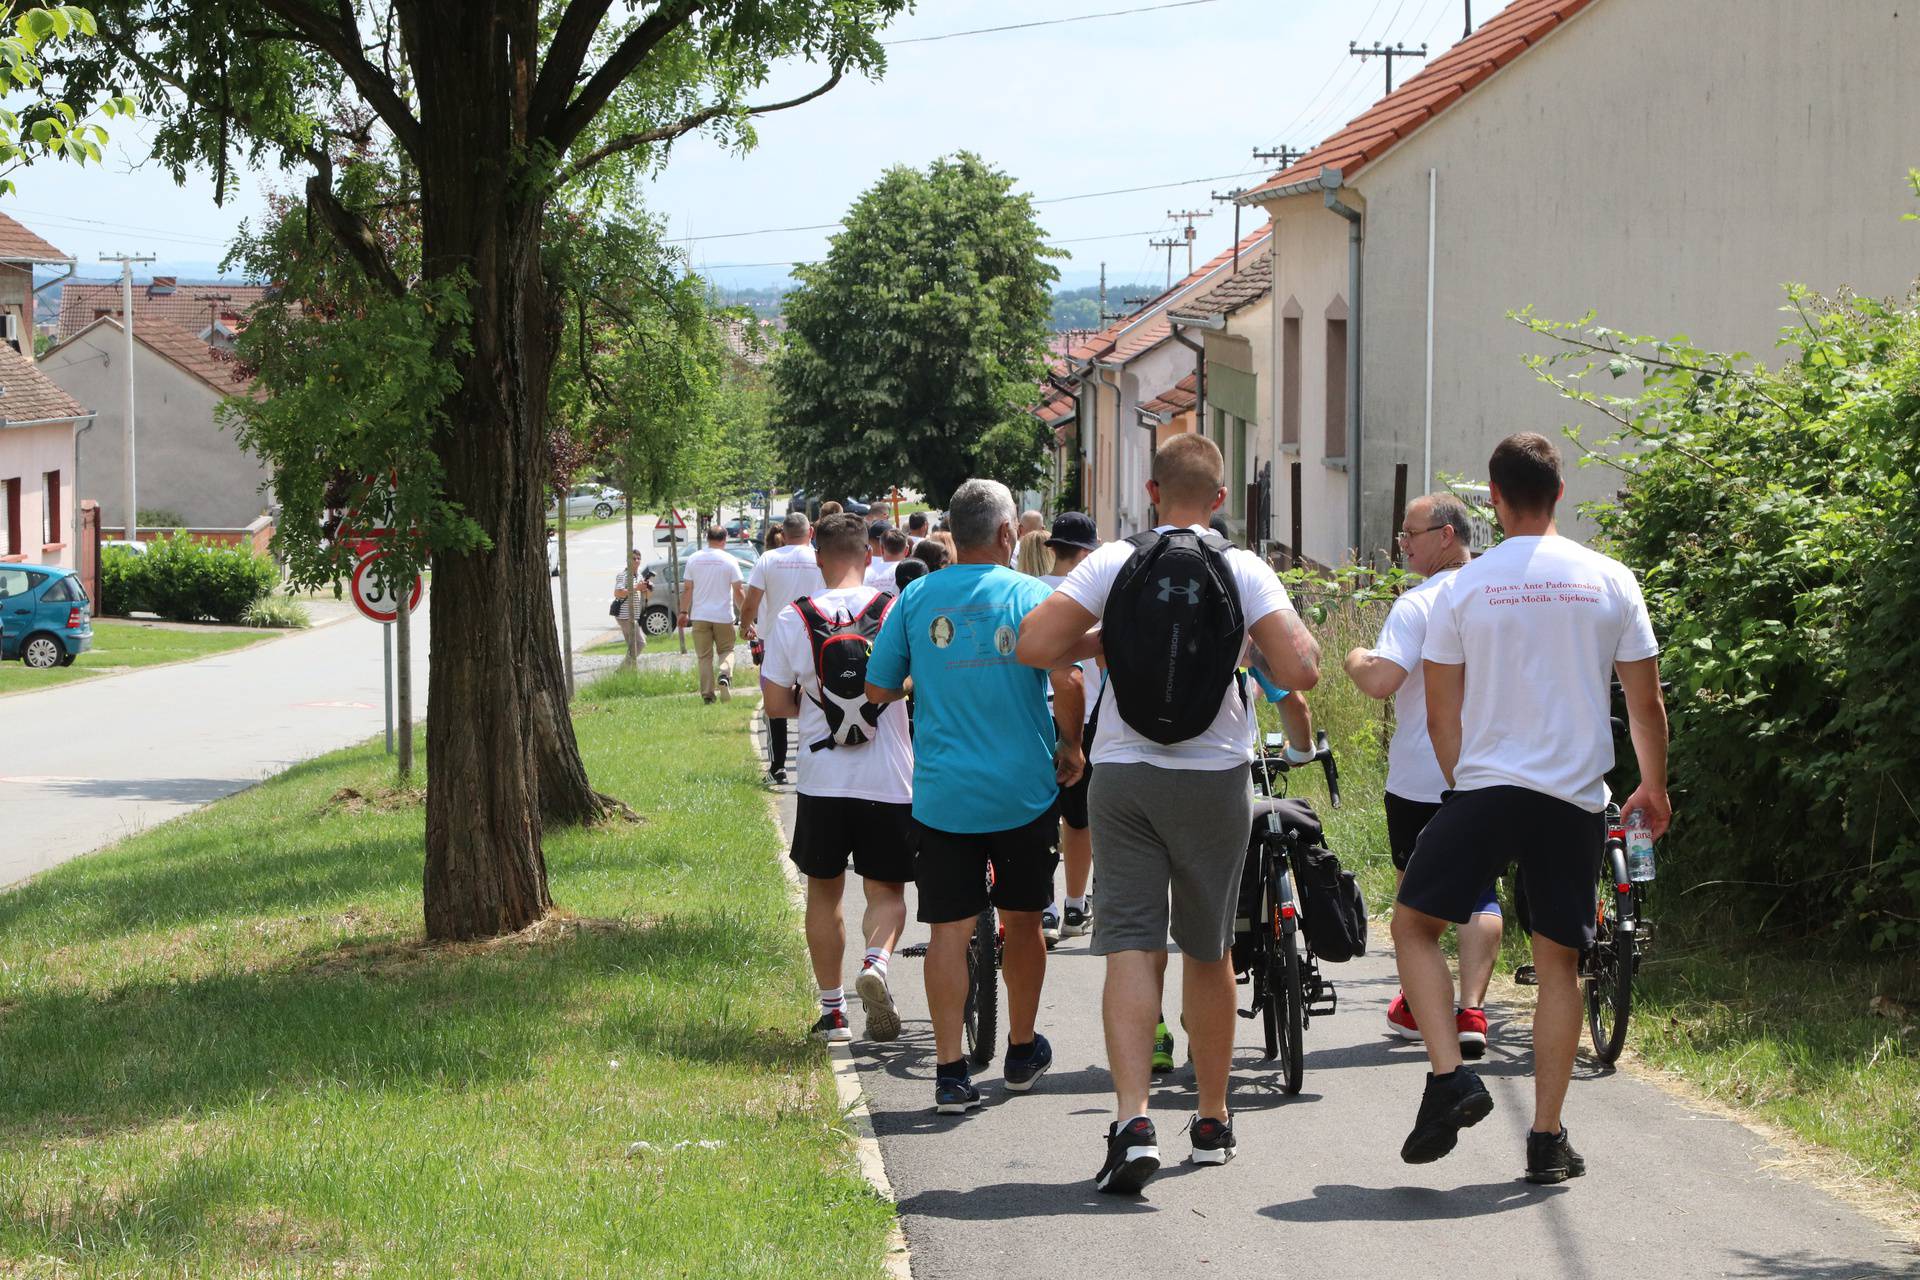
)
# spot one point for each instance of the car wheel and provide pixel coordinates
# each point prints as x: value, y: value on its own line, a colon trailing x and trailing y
x: 656, y: 621
x: 42, y: 652
x: 603, y: 511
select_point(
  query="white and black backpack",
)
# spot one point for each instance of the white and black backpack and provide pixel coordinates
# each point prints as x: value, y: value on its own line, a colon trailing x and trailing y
x: 840, y: 650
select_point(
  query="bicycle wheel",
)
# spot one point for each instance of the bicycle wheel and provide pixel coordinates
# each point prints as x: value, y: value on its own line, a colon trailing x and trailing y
x: 983, y: 990
x: 1265, y: 998
x: 1293, y: 1015
x: 1610, y: 975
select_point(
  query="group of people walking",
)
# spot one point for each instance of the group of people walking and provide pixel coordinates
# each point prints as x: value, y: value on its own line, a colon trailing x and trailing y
x: 960, y: 729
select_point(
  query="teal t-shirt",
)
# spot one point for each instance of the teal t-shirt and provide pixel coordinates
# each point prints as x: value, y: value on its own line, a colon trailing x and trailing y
x: 982, y: 733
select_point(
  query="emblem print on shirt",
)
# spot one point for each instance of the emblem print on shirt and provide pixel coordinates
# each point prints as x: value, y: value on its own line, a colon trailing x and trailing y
x: 1190, y: 593
x: 1004, y: 640
x: 941, y: 632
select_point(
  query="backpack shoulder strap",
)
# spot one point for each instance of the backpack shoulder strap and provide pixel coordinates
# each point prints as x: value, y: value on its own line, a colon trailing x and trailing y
x: 818, y: 625
x: 1145, y: 538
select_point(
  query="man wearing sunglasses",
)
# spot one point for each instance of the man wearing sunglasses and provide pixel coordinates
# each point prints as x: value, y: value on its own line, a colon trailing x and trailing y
x: 1434, y: 542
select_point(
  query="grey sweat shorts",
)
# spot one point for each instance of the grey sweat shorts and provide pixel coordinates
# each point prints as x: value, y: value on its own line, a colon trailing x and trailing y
x: 1165, y: 836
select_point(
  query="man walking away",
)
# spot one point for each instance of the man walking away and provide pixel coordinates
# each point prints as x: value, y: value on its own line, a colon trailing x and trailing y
x: 711, y: 593
x: 1434, y: 542
x: 892, y: 549
x: 916, y: 529
x: 1171, y: 805
x: 986, y: 773
x: 1072, y: 539
x: 856, y: 776
x: 1517, y: 654
x: 780, y: 577
x: 1031, y: 522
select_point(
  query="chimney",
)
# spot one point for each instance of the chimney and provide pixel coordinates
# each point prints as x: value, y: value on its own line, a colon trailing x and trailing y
x: 163, y: 286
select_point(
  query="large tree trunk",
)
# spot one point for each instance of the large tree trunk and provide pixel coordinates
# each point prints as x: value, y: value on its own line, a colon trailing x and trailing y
x: 485, y: 874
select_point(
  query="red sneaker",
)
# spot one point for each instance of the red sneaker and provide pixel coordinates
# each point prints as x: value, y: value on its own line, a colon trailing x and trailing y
x: 1472, y: 1025
x: 1400, y: 1018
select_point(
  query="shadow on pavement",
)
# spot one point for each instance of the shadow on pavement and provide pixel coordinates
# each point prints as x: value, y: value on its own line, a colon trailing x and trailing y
x: 1801, y: 1265
x: 1343, y: 1202
x: 998, y: 1200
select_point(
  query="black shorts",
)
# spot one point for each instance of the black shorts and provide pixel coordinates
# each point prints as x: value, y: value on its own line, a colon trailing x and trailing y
x: 951, y: 869
x: 1479, y: 834
x: 879, y: 836
x: 1073, y: 800
x: 1406, y: 819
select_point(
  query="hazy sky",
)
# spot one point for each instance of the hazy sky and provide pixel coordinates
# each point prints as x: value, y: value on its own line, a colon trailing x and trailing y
x: 1079, y: 107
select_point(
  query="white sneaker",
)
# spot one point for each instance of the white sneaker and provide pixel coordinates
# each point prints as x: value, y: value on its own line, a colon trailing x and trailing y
x: 883, y: 1020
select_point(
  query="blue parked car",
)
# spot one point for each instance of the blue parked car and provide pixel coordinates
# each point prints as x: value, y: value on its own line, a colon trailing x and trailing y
x: 46, y: 619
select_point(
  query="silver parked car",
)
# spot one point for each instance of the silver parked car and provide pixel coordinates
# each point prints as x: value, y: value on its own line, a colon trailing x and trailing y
x: 597, y: 500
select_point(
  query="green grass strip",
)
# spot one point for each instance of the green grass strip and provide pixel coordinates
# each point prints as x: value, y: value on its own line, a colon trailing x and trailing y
x: 224, y: 1050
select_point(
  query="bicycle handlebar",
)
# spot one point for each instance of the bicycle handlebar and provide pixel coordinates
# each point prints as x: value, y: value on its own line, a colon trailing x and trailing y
x: 1322, y: 754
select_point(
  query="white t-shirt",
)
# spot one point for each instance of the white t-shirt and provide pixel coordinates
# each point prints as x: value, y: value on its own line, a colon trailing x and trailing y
x: 1413, y: 771
x: 878, y: 770
x: 1225, y: 743
x: 785, y: 574
x: 1539, y: 623
x: 712, y: 573
x: 1089, y: 669
x: 880, y: 575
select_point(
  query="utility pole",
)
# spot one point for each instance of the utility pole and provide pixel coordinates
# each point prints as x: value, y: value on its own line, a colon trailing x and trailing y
x: 1386, y: 52
x: 1283, y: 155
x: 1469, y: 30
x: 1231, y: 197
x: 213, y: 301
x: 1189, y: 215
x: 126, y: 261
x: 1169, y: 244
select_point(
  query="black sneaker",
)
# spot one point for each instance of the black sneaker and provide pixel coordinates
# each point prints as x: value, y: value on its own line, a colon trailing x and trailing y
x: 1212, y: 1140
x: 1075, y: 923
x: 1458, y: 1102
x: 1551, y: 1158
x: 726, y: 688
x: 1050, y: 927
x: 1133, y: 1156
x: 778, y: 777
x: 954, y: 1095
x: 1023, y: 1070
x: 833, y: 1028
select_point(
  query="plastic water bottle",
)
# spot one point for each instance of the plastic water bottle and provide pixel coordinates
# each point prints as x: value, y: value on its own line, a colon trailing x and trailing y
x: 1639, y: 847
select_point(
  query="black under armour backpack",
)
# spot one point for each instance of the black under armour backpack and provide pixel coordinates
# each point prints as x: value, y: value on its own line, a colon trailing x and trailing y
x: 841, y: 647
x: 1172, y: 633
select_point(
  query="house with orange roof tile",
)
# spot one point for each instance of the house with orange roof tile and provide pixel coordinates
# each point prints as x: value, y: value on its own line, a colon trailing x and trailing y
x: 1664, y: 165
x: 1130, y: 363
x: 188, y: 463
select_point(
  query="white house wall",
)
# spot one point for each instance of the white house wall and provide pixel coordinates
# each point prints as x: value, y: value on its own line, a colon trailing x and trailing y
x: 1665, y: 165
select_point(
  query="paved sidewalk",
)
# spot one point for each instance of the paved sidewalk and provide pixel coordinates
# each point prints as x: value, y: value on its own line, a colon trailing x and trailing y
x: 1319, y: 1189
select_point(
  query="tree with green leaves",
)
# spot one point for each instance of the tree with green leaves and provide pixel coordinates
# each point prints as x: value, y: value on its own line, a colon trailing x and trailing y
x: 46, y: 127
x: 913, y: 350
x: 493, y: 106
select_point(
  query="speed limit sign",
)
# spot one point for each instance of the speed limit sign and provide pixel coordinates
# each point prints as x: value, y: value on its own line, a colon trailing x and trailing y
x: 373, y: 597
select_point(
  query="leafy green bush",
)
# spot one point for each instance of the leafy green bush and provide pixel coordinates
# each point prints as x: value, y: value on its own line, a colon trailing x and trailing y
x: 278, y: 612
x: 120, y: 582
x: 1774, y: 515
x: 185, y: 580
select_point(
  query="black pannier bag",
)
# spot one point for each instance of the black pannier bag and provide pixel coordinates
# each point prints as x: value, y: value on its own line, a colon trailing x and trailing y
x: 1333, y: 914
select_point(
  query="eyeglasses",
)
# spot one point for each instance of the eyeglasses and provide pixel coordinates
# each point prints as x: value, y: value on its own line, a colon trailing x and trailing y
x: 1408, y: 535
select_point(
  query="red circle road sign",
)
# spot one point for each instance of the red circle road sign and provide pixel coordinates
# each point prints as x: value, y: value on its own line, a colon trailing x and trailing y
x: 373, y: 598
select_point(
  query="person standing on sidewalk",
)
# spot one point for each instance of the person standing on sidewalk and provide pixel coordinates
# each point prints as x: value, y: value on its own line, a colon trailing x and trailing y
x: 711, y: 593
x: 1171, y: 814
x: 1434, y: 541
x: 780, y: 577
x: 627, y: 592
x: 855, y: 797
x: 1071, y: 540
x: 986, y: 774
x: 1518, y: 651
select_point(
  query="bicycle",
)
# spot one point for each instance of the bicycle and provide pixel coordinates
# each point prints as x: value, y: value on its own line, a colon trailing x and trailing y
x: 1621, y: 934
x: 1288, y: 991
x: 980, y: 1017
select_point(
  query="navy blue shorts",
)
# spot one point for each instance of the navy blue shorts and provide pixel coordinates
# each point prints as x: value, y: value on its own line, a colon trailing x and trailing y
x: 1406, y: 819
x: 1478, y: 835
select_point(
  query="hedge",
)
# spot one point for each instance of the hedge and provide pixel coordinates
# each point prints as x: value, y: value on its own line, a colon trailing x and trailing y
x: 184, y: 579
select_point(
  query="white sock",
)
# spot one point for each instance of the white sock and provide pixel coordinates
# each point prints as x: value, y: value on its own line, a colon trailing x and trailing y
x: 1077, y: 904
x: 877, y: 961
x: 1053, y: 907
x: 834, y: 1001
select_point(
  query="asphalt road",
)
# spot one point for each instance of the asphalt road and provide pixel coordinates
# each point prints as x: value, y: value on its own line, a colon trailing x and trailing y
x: 1318, y: 1189
x: 82, y: 765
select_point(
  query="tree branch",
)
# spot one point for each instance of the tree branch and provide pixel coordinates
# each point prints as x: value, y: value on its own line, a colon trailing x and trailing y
x: 349, y: 228
x: 665, y: 133
x: 572, y: 41
x: 566, y: 123
x: 340, y: 40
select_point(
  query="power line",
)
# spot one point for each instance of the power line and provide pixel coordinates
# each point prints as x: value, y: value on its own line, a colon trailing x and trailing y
x: 1111, y: 235
x: 1048, y: 22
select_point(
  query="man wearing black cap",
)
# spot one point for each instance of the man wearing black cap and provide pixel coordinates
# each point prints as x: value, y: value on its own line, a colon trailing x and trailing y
x: 1072, y: 540
x: 889, y: 548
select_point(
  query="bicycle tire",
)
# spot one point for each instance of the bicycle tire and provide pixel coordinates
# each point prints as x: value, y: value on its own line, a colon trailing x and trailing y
x: 983, y: 989
x: 1293, y: 1020
x: 1263, y: 991
x: 1610, y: 981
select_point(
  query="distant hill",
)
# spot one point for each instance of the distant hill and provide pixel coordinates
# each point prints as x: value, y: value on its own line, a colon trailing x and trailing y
x: 1080, y: 308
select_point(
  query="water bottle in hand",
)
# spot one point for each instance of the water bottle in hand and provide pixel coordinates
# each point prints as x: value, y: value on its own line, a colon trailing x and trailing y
x: 1639, y: 847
